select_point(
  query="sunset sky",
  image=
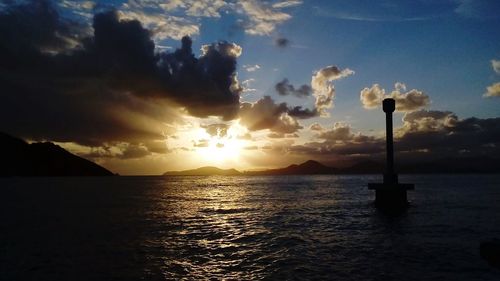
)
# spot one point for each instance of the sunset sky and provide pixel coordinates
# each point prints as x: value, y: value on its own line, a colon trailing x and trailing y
x: 143, y: 87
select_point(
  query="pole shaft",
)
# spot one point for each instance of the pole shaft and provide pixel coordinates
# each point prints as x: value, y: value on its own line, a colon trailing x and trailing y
x: 390, y: 143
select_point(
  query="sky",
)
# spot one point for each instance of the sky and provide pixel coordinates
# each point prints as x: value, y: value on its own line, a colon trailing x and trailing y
x: 144, y: 87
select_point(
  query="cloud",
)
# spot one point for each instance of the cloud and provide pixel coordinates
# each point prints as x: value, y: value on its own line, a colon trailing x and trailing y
x: 495, y: 64
x: 323, y: 88
x: 395, y: 11
x: 339, y: 132
x: 493, y: 90
x: 113, y: 88
x: 201, y: 143
x: 286, y: 4
x: 405, y: 101
x: 284, y: 88
x: 251, y: 68
x: 266, y: 114
x: 263, y: 17
x: 162, y: 26
x: 442, y: 134
x: 205, y: 8
x: 424, y: 136
x: 282, y: 42
x: 302, y: 113
x: 160, y: 16
x: 122, y: 151
x: 316, y: 127
x: 372, y: 97
x: 427, y: 121
x: 175, y: 19
x: 134, y: 151
x: 216, y: 130
x: 479, y: 9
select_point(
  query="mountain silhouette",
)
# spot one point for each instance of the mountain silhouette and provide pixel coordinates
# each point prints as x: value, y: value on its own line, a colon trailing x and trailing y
x: 204, y: 171
x: 19, y: 158
x: 309, y: 167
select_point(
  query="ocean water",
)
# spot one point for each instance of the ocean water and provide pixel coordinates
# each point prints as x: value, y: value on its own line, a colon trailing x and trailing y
x: 244, y: 228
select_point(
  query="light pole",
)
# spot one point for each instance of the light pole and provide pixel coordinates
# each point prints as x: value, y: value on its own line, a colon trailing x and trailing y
x: 390, y: 195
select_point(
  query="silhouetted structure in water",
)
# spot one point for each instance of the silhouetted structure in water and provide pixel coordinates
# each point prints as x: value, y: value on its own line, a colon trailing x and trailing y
x: 390, y: 195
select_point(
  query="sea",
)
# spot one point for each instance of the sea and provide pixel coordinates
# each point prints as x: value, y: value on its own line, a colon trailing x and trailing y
x: 245, y: 228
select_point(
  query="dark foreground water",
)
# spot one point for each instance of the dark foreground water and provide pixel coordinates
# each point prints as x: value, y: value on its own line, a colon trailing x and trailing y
x: 244, y: 228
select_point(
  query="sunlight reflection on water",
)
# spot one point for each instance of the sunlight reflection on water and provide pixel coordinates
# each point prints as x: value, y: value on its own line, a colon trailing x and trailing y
x: 243, y: 228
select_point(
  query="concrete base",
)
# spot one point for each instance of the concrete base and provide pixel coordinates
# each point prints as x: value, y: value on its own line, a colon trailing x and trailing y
x: 391, y: 196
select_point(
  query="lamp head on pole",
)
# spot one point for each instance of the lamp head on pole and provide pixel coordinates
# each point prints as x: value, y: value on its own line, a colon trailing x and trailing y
x: 389, y: 105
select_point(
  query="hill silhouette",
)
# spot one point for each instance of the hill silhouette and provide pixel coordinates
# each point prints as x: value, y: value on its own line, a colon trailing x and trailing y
x: 19, y: 158
x: 309, y: 167
x: 204, y: 171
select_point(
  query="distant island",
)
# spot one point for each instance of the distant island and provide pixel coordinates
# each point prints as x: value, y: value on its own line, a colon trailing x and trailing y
x: 311, y: 167
x: 205, y: 171
x: 19, y: 158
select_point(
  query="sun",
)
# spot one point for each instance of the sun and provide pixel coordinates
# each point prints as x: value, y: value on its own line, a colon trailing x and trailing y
x: 220, y: 149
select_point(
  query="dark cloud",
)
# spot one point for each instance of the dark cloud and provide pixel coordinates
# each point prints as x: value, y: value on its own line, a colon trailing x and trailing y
x: 302, y: 113
x: 441, y: 133
x: 425, y: 136
x: 284, y: 88
x: 134, y: 151
x: 110, y: 86
x: 124, y: 151
x: 216, y: 130
x: 279, y: 118
x: 282, y: 42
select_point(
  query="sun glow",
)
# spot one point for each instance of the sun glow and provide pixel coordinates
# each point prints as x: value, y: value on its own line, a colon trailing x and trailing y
x: 219, y: 148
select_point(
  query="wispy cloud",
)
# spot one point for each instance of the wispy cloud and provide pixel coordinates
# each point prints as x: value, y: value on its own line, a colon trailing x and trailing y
x: 360, y: 17
x: 263, y: 17
x: 479, y: 9
x: 496, y: 65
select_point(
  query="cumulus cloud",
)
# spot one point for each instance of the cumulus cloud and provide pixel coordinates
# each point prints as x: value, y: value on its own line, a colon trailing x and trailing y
x: 341, y: 133
x: 493, y: 90
x: 405, y: 101
x: 372, y: 97
x: 424, y: 136
x: 284, y: 88
x: 427, y: 121
x: 323, y: 88
x: 266, y: 114
x: 113, y: 88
